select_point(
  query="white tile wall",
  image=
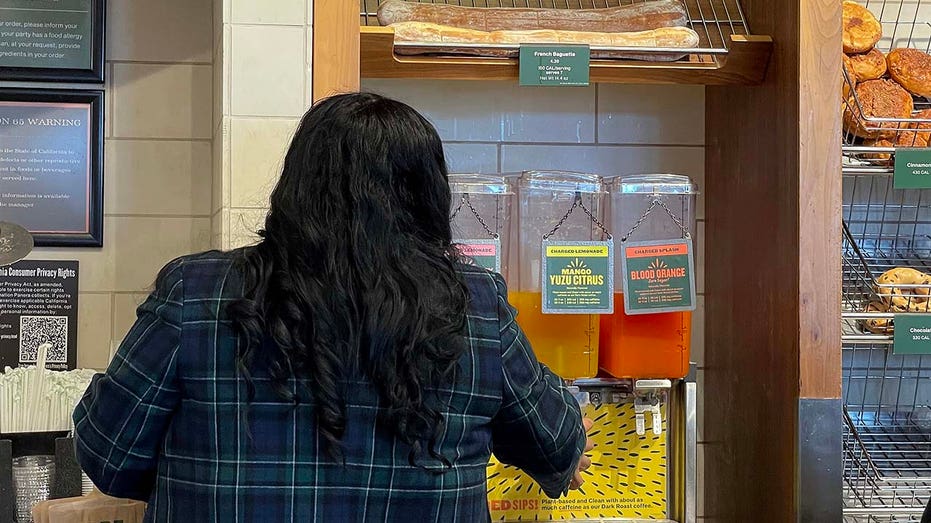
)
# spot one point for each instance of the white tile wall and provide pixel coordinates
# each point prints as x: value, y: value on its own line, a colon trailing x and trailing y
x: 257, y: 149
x: 267, y: 71
x: 651, y: 114
x: 498, y: 111
x: 285, y: 12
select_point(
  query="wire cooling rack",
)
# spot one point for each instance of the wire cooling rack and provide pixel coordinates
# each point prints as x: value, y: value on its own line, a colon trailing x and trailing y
x: 884, y: 228
x: 714, y: 20
x: 906, y: 23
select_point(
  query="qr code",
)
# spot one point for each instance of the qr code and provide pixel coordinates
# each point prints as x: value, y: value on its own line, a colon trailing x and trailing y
x: 36, y: 330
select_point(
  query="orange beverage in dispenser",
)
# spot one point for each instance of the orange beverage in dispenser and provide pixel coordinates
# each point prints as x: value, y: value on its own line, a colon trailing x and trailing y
x: 645, y: 345
x: 566, y: 343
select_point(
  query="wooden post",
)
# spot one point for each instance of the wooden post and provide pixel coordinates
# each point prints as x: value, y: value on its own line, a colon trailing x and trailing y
x: 773, y: 197
x: 335, y: 47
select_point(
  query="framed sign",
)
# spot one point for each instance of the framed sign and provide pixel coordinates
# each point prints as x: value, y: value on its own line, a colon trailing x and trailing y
x: 52, y: 40
x: 51, y: 165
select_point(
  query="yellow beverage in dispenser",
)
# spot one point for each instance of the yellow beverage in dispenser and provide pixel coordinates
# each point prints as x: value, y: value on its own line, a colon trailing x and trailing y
x: 566, y: 343
x: 557, y: 207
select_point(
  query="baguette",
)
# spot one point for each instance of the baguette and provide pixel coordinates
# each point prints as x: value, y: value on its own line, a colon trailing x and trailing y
x: 636, y: 17
x: 424, y: 33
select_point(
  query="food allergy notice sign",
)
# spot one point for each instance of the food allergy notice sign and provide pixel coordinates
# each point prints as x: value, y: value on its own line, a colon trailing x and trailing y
x: 55, y: 40
x: 39, y: 304
x: 555, y: 65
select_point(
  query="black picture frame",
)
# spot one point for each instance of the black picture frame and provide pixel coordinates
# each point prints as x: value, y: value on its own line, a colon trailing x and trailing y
x: 93, y: 235
x: 95, y: 74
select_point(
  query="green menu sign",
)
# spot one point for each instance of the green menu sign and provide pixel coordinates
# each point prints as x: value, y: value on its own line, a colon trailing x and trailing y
x: 912, y: 334
x: 658, y: 276
x: 578, y: 277
x: 554, y: 65
x: 912, y: 169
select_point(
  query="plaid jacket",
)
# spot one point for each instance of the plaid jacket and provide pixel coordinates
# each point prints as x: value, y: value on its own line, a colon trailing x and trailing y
x: 167, y: 422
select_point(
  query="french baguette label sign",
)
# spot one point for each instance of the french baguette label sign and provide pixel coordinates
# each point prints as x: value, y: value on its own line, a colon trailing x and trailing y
x: 554, y: 65
x: 912, y: 334
x: 658, y: 276
x: 912, y: 169
x: 578, y: 277
x: 483, y: 253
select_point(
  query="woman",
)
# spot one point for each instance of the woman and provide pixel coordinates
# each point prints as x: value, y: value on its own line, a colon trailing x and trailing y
x: 346, y: 368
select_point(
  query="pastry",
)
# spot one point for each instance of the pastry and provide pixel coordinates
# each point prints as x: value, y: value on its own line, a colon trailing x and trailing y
x: 878, y: 325
x: 640, y: 16
x: 869, y: 65
x: 878, y: 99
x: 904, y: 289
x: 878, y: 157
x: 861, y: 29
x: 850, y: 77
x: 912, y: 69
x: 421, y: 32
x: 923, y: 128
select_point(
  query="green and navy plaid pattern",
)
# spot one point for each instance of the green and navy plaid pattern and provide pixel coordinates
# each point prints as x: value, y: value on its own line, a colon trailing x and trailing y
x: 169, y: 423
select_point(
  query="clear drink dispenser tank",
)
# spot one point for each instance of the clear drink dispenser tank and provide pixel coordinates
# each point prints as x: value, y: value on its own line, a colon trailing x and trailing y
x: 558, y: 206
x: 655, y: 209
x: 480, y: 218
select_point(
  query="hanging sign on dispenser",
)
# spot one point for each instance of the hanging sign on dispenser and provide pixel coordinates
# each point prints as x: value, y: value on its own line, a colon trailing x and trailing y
x: 553, y: 65
x: 912, y: 169
x: 483, y: 253
x: 658, y: 276
x: 912, y: 335
x: 578, y: 277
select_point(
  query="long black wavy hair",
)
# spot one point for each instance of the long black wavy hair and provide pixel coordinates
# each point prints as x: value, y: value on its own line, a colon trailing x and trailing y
x: 355, y: 274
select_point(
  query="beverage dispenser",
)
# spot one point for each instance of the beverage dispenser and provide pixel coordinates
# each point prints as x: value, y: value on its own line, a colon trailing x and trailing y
x: 649, y: 334
x: 557, y: 209
x: 480, y: 219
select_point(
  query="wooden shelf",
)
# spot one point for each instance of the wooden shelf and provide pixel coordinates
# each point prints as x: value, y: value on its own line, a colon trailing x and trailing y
x: 744, y: 64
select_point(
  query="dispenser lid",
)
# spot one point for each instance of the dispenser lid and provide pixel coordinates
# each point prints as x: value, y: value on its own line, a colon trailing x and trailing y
x: 562, y: 181
x: 654, y: 184
x: 461, y: 183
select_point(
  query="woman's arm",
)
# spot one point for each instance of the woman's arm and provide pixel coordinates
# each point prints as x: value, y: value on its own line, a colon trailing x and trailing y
x: 539, y: 427
x: 123, y: 416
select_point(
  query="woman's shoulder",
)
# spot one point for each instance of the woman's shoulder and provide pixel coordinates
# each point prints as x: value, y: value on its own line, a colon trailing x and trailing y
x: 202, y: 274
x: 484, y: 286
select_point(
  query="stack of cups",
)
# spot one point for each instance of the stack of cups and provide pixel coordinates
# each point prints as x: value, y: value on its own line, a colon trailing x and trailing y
x: 32, y: 483
x: 87, y: 486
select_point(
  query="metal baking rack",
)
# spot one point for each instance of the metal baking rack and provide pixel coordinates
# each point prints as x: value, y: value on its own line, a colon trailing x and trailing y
x: 887, y: 397
x: 905, y: 24
x: 884, y: 228
x: 714, y: 21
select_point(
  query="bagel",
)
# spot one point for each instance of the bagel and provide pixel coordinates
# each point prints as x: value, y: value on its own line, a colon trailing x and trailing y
x: 869, y: 65
x: 878, y: 325
x: 851, y: 78
x: 861, y: 29
x: 912, y: 69
x: 898, y: 289
x: 879, y: 99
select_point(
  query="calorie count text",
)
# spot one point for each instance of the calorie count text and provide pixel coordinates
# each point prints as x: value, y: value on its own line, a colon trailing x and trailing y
x: 919, y: 168
x: 920, y: 334
x: 552, y: 70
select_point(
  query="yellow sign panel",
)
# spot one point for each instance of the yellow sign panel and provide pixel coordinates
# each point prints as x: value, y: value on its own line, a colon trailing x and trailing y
x: 627, y: 478
x: 571, y: 251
